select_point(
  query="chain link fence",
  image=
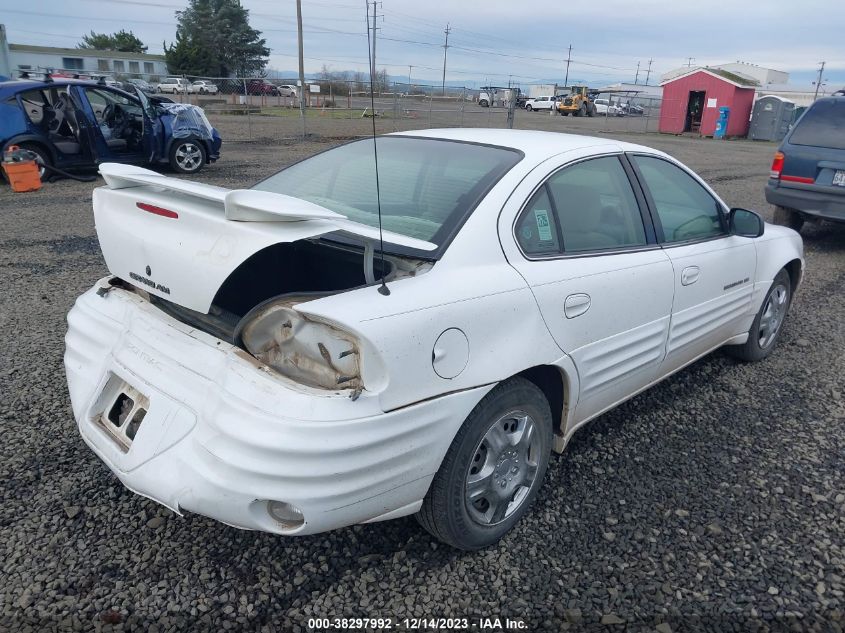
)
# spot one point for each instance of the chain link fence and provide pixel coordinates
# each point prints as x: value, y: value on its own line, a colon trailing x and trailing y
x: 261, y: 109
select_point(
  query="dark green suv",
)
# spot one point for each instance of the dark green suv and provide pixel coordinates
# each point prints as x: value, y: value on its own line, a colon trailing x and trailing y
x: 807, y: 181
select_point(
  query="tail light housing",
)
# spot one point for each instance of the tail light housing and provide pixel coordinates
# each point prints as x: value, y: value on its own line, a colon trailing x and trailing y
x: 777, y: 166
x: 307, y: 351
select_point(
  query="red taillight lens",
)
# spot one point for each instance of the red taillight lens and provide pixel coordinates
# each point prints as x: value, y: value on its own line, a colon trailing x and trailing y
x: 777, y: 165
x: 150, y: 208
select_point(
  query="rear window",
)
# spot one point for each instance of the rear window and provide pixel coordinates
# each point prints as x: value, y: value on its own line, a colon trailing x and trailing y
x: 428, y: 186
x: 823, y: 125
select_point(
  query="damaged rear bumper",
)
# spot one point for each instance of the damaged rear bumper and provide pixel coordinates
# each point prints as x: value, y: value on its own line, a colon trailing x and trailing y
x: 223, y: 435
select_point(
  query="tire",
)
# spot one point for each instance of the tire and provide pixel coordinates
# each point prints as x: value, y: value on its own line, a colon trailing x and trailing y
x: 447, y: 512
x: 762, y: 340
x: 528, y: 107
x: 591, y: 110
x: 788, y: 217
x: 187, y: 156
x: 44, y: 157
x: 159, y: 90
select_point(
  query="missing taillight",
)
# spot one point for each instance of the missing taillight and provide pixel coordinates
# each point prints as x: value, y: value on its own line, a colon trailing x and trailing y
x: 777, y: 165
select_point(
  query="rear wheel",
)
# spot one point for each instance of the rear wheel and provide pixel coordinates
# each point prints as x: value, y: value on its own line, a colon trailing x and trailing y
x: 187, y: 156
x: 788, y: 217
x: 766, y: 328
x: 43, y: 159
x: 591, y: 110
x: 493, y: 468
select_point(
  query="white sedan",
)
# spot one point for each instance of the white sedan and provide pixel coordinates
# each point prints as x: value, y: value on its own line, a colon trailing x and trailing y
x: 261, y: 357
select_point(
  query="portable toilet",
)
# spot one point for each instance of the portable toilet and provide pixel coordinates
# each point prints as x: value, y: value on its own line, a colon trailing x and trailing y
x: 771, y: 118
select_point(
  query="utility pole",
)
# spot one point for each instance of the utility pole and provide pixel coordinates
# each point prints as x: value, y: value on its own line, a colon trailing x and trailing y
x: 690, y: 60
x: 445, y: 48
x: 373, y: 72
x: 568, y: 59
x: 648, y: 72
x: 819, y: 81
x: 637, y: 76
x: 302, y: 86
x: 409, y: 78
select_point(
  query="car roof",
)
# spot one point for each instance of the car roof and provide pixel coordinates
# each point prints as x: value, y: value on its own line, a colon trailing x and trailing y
x: 533, y: 143
x: 15, y: 86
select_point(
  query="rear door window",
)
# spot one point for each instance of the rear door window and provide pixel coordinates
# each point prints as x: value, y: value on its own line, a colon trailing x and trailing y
x: 590, y: 205
x: 823, y: 125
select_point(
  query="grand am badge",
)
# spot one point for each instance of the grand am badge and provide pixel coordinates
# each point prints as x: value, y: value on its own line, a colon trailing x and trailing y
x: 149, y: 282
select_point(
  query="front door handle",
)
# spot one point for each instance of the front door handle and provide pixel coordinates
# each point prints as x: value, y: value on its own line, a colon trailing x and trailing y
x: 689, y: 275
x: 576, y: 305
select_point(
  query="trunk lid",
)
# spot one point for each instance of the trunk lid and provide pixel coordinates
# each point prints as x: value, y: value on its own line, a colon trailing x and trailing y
x: 180, y: 240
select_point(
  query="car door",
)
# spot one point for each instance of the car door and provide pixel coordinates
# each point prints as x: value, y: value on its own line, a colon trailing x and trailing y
x: 713, y: 270
x: 586, y: 247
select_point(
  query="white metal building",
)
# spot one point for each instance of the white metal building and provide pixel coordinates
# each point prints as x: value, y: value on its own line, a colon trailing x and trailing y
x: 25, y: 58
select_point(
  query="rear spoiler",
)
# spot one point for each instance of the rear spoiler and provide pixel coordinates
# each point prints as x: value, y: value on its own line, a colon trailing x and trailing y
x: 249, y: 205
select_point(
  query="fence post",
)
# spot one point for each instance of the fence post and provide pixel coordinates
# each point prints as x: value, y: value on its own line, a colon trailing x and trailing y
x: 463, y: 104
x: 248, y: 114
x: 395, y: 109
x: 430, y: 105
x: 511, y: 111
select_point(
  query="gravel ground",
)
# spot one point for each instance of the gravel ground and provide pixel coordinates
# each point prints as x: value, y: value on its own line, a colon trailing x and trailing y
x: 711, y: 502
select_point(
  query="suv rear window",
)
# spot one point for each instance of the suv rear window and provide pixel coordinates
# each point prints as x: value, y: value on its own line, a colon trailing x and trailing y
x: 823, y: 125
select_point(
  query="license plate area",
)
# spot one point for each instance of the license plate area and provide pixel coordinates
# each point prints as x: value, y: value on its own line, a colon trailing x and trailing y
x: 121, y: 412
x: 839, y: 178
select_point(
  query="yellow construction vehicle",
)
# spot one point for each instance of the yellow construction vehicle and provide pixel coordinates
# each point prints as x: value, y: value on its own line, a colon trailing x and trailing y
x: 577, y: 103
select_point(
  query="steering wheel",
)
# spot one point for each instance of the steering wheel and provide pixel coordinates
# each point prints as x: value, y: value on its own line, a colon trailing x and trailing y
x: 693, y: 227
x: 109, y: 114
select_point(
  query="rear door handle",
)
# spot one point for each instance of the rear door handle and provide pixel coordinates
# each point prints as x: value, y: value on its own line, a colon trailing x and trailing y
x: 689, y: 275
x: 576, y: 305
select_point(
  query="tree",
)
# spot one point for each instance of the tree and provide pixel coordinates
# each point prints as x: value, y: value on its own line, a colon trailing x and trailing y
x: 121, y: 41
x: 214, y: 39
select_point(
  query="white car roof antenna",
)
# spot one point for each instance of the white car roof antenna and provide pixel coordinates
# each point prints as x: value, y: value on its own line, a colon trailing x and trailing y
x: 383, y: 289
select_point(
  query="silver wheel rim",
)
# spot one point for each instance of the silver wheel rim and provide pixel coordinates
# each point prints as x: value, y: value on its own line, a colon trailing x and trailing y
x: 773, y: 313
x: 503, y: 469
x: 188, y: 156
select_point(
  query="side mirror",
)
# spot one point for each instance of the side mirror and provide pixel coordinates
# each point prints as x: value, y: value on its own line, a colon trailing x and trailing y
x: 745, y: 223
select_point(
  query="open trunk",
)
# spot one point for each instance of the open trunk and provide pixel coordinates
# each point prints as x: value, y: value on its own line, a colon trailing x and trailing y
x: 208, y: 255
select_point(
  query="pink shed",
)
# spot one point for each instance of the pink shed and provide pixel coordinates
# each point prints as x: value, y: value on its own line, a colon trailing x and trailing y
x: 692, y: 100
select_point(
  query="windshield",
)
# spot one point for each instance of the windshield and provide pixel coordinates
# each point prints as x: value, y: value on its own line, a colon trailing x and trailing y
x: 428, y: 186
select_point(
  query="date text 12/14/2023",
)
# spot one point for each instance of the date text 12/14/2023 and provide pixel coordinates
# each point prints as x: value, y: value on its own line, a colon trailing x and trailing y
x: 417, y: 624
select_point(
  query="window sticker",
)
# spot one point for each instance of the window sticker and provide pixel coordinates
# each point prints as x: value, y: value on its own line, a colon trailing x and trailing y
x: 544, y: 227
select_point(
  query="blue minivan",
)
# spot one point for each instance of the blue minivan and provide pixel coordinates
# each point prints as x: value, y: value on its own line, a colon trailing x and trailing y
x: 807, y: 180
x: 74, y: 124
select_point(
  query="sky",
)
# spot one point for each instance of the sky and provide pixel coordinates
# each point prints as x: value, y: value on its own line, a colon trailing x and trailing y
x: 491, y: 41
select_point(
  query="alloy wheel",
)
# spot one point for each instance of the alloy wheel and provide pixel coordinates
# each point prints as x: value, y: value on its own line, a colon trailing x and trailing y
x: 188, y: 156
